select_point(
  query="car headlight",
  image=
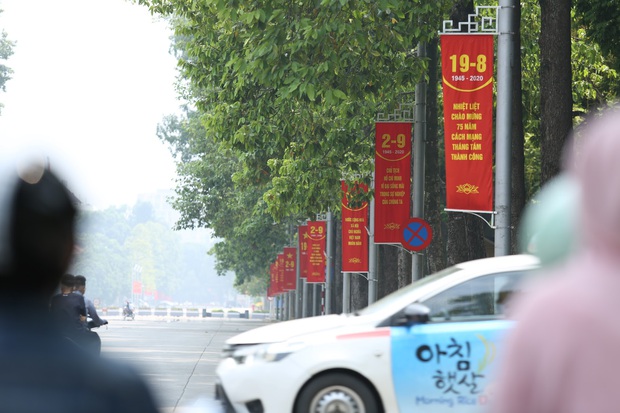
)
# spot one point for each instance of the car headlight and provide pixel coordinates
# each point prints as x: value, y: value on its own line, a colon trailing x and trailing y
x: 265, y: 353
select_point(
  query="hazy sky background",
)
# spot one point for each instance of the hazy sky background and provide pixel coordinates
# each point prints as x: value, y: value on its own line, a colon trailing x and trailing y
x: 92, y: 79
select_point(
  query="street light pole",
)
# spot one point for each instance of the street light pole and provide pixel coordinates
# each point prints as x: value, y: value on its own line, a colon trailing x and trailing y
x: 419, y: 143
x: 505, y: 64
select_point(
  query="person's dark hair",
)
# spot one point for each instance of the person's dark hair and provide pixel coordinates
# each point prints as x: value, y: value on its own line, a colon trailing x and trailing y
x: 68, y: 280
x: 80, y: 281
x: 40, y: 232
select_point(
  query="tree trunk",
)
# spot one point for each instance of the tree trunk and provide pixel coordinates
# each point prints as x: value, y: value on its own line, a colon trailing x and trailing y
x: 435, y: 173
x: 359, y: 292
x: 404, y: 268
x: 465, y: 238
x: 556, y: 100
x: 518, y: 156
x: 388, y: 270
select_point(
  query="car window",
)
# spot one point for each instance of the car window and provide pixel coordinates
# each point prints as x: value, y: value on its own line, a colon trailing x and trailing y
x: 480, y: 298
x: 388, y: 301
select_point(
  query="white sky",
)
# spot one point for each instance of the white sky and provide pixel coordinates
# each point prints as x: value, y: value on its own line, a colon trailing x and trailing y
x: 92, y: 79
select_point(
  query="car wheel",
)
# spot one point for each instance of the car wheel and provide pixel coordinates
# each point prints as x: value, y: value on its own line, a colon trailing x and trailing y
x: 336, y: 393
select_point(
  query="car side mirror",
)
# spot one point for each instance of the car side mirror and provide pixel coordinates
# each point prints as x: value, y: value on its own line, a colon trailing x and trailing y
x: 417, y: 314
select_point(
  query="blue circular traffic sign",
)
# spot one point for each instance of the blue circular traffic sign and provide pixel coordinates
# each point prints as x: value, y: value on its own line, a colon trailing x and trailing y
x: 417, y: 234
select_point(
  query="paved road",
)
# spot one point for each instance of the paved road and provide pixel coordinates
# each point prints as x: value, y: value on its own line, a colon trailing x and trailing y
x: 177, y: 358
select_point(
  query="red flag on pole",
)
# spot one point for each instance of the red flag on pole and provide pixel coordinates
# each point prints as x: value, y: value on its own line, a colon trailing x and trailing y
x: 302, y: 234
x: 392, y: 180
x: 272, y: 289
x: 467, y: 70
x: 137, y: 287
x: 317, y: 231
x: 354, y: 234
x: 290, y: 268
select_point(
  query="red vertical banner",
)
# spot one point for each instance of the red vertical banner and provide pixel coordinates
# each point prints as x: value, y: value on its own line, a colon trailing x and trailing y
x: 354, y: 234
x: 137, y: 287
x: 275, y: 289
x: 392, y: 180
x: 467, y: 71
x: 302, y: 234
x: 290, y: 268
x: 317, y: 231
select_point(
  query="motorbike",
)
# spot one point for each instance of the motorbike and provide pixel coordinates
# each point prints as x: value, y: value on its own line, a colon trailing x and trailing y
x: 128, y: 313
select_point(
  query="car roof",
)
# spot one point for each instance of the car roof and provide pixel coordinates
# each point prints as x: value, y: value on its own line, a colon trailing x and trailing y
x: 442, y: 280
x: 500, y: 263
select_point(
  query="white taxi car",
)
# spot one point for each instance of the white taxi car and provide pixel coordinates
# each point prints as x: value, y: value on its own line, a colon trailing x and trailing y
x: 429, y: 347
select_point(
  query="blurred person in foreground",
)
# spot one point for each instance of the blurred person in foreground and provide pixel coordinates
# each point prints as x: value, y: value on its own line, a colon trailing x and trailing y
x: 40, y: 370
x: 562, y: 356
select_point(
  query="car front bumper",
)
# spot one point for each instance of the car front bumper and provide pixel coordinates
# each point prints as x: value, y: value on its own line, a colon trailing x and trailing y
x: 269, y: 387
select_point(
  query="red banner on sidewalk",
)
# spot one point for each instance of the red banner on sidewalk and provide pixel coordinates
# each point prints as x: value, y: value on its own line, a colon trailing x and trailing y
x: 317, y: 231
x: 354, y: 234
x: 280, y: 272
x: 290, y: 268
x: 467, y: 70
x: 392, y: 180
x: 302, y: 235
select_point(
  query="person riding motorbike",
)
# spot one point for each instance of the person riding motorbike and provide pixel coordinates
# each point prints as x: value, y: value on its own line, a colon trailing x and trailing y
x: 92, y: 318
x: 128, y: 310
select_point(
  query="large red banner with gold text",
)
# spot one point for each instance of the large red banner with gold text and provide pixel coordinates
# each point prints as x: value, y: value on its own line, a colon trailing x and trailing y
x: 290, y: 268
x: 467, y: 71
x: 302, y: 235
x: 354, y: 234
x: 392, y: 180
x: 317, y: 231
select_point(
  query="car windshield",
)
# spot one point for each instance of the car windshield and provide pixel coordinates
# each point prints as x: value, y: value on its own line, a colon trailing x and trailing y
x: 388, y: 300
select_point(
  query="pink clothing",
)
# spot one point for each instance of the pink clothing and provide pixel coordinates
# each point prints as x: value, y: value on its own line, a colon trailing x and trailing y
x: 564, y: 354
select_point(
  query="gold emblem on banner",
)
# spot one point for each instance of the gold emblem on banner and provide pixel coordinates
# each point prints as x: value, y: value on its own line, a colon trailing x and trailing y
x: 392, y: 226
x: 355, y: 261
x: 467, y: 189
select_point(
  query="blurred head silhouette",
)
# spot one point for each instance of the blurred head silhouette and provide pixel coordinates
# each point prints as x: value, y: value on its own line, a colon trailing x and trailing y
x: 593, y: 164
x: 37, y: 217
x: 578, y: 209
x: 548, y: 226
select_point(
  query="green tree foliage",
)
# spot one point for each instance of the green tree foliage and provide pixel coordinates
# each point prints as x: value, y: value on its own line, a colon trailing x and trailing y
x: 594, y: 80
x: 6, y: 50
x: 119, y: 245
x: 213, y: 192
x: 601, y: 22
x: 104, y: 263
x: 154, y: 248
x: 142, y: 212
x: 284, y: 96
x: 294, y: 86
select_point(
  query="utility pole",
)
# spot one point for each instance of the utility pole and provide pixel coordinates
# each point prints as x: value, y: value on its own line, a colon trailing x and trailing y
x: 503, y: 126
x: 372, y: 252
x: 419, y: 144
x: 329, y: 268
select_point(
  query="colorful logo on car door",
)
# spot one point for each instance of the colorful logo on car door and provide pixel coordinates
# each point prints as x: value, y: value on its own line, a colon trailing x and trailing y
x: 446, y: 367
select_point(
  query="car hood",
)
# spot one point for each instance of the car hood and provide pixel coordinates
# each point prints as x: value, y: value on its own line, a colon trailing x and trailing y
x: 286, y: 330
